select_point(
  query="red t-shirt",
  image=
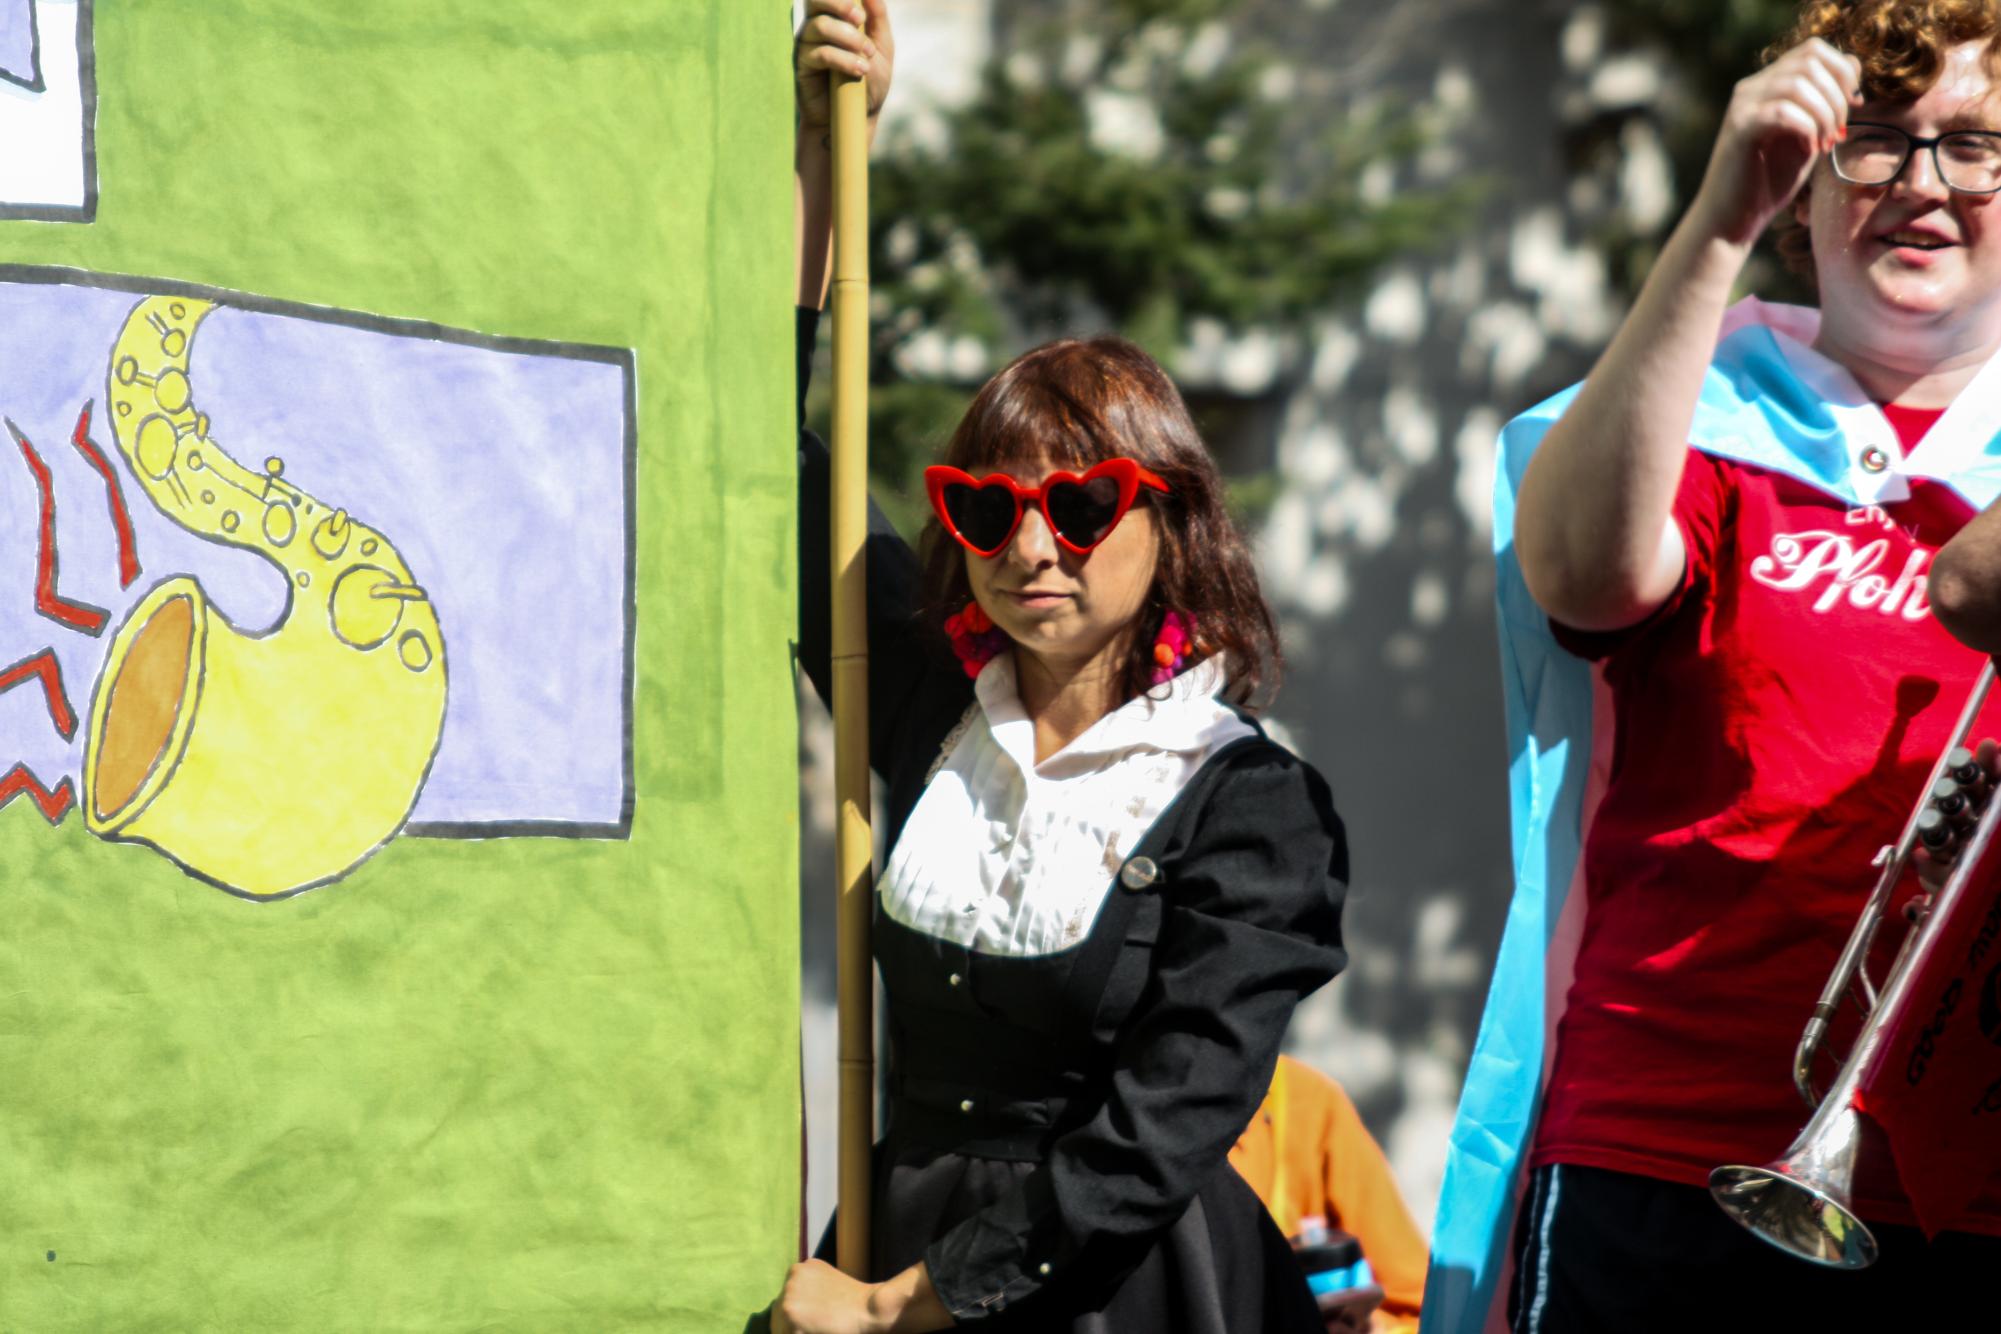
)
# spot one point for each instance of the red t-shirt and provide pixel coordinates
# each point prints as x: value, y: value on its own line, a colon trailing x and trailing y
x: 1774, y: 723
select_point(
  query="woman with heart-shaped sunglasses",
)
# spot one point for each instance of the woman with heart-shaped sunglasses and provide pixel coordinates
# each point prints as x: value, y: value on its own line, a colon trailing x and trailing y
x: 1105, y: 888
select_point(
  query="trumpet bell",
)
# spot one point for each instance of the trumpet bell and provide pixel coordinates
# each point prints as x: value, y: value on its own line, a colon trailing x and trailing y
x: 1800, y: 1203
x: 1794, y: 1216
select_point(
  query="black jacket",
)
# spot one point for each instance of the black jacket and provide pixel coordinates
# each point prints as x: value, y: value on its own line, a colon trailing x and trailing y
x: 1243, y: 922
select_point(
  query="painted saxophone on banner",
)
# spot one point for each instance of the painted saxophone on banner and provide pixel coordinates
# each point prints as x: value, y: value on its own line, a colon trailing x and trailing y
x: 269, y: 762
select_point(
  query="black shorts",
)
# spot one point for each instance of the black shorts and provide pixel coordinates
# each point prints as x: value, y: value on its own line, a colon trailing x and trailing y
x: 1598, y: 1251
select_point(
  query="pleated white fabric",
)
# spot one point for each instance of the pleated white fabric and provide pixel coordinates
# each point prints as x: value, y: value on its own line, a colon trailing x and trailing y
x: 1009, y: 857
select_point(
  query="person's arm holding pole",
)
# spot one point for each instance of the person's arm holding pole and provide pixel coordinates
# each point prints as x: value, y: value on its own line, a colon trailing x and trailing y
x: 853, y: 844
x: 833, y: 46
x: 848, y: 46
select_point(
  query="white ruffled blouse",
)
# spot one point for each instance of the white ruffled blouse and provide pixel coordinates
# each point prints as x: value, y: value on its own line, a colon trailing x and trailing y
x: 1006, y: 856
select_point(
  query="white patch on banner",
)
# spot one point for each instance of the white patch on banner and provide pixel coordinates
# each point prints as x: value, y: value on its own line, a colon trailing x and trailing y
x: 45, y: 165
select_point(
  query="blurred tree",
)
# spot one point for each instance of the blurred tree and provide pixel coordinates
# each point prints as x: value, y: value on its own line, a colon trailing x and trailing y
x: 1125, y: 164
x: 1713, y: 42
x: 1708, y: 45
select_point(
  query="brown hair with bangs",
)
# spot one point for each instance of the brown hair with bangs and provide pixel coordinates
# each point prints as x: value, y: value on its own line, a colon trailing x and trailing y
x: 1078, y: 402
x: 1902, y: 45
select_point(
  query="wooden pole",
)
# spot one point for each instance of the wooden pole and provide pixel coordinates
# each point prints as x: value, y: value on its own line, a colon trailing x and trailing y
x: 854, y: 842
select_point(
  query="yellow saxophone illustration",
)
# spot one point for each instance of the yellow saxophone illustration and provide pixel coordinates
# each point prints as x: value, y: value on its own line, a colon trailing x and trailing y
x: 266, y: 763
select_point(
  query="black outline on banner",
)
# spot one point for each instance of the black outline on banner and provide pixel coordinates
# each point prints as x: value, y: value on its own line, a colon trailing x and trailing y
x: 625, y: 359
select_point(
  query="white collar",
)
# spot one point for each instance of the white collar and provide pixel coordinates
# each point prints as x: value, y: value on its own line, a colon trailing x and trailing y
x: 1186, y: 716
x: 1955, y: 440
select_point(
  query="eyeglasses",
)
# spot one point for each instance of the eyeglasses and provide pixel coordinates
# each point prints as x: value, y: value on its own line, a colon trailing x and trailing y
x: 1081, y: 508
x: 1968, y: 161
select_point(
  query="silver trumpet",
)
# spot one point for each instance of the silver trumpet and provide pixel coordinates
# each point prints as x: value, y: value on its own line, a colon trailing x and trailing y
x: 1801, y: 1203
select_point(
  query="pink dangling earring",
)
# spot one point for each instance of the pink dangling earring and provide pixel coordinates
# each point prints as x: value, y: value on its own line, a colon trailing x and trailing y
x: 1172, y: 648
x: 975, y: 638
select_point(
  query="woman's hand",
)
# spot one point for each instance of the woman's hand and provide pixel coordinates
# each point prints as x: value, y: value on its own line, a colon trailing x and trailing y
x: 820, y: 1299
x: 1779, y: 121
x: 850, y: 37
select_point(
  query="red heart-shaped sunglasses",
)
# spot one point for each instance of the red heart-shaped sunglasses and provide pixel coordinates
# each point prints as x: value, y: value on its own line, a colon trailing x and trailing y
x: 1081, y: 508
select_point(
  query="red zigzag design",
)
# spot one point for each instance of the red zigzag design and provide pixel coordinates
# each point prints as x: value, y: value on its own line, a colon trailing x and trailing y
x: 44, y: 668
x: 114, y: 494
x: 79, y: 616
x: 53, y: 803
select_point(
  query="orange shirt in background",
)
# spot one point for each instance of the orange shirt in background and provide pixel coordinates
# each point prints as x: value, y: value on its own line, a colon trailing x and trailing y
x: 1307, y: 1153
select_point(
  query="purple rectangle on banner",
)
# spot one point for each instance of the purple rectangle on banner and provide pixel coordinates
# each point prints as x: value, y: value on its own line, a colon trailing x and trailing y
x: 17, y: 44
x: 500, y: 469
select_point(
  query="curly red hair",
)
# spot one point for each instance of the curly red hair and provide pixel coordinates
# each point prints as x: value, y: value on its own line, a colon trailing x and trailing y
x: 1902, y: 45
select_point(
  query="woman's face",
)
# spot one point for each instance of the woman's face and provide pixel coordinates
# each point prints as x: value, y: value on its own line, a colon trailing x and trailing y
x: 1894, y: 259
x: 1063, y: 607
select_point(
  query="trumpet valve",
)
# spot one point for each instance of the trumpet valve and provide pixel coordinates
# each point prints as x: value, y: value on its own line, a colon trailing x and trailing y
x: 1936, y: 833
x: 1950, y: 800
x: 1964, y: 768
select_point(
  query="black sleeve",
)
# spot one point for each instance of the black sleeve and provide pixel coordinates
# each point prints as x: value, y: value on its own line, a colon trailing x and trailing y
x: 899, y: 659
x: 807, y: 321
x: 1251, y: 924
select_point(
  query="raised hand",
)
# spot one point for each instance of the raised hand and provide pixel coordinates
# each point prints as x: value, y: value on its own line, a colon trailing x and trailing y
x: 1779, y: 122
x: 849, y: 37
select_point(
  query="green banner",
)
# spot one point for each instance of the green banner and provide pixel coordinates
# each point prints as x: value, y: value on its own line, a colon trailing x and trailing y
x: 397, y: 777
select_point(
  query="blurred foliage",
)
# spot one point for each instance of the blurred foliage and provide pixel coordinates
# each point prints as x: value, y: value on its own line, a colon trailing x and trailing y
x: 1714, y: 42
x: 1709, y: 45
x: 1250, y: 498
x: 1118, y: 167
